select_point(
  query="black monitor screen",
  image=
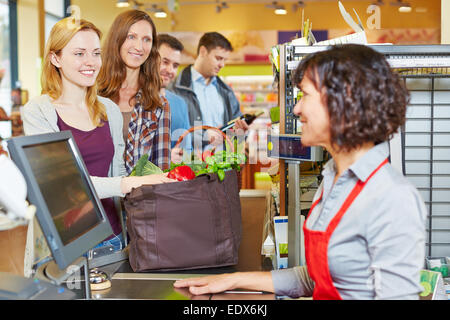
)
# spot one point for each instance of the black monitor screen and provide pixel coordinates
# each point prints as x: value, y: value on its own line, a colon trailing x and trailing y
x: 68, y: 208
x: 63, y: 190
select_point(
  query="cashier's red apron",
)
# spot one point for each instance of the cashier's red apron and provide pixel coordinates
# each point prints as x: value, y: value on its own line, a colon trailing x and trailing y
x: 316, y: 246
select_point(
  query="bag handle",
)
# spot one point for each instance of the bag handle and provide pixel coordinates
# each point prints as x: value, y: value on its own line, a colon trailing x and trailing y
x: 192, y: 129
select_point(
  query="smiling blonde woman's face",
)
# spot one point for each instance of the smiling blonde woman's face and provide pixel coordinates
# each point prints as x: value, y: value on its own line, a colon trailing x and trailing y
x: 80, y: 60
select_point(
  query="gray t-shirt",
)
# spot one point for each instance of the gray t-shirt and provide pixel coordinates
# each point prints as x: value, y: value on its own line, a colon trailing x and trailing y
x: 378, y: 248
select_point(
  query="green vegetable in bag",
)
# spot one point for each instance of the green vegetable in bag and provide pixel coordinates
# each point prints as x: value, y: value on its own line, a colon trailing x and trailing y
x: 144, y: 167
x: 214, y: 163
x: 221, y: 174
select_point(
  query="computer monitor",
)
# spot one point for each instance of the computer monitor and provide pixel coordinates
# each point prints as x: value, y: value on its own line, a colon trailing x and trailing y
x: 69, y: 210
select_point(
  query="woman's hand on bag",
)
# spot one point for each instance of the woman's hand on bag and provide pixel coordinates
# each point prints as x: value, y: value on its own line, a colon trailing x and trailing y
x: 128, y: 183
x: 156, y: 179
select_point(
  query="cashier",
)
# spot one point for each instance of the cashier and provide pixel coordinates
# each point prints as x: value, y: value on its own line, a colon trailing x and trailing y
x: 365, y: 232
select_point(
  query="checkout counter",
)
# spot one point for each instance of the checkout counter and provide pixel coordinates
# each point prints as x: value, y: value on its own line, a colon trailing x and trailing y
x: 51, y: 162
x: 126, y: 284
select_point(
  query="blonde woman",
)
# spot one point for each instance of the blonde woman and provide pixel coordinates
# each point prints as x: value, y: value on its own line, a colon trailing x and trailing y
x: 130, y: 77
x: 69, y: 101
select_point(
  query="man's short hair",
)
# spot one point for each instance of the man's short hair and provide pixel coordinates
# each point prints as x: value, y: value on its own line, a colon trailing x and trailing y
x: 171, y: 41
x: 212, y: 40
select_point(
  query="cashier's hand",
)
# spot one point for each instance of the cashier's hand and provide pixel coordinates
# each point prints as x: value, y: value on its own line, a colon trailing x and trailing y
x: 208, y: 284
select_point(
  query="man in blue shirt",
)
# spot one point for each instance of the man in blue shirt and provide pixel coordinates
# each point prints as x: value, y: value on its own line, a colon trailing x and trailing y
x: 170, y: 49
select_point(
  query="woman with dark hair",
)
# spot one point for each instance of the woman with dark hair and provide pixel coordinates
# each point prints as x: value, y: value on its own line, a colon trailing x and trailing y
x: 130, y: 77
x: 365, y: 232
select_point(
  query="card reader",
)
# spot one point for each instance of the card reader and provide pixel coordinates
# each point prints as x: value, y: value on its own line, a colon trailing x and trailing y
x: 289, y: 147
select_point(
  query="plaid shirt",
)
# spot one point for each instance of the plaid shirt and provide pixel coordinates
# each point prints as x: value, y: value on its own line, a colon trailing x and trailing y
x: 149, y: 133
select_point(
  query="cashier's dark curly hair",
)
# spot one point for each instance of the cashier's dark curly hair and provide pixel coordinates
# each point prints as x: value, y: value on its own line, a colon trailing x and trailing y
x: 366, y: 100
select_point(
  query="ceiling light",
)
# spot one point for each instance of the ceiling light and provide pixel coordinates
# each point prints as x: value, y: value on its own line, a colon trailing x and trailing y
x: 405, y: 9
x: 160, y: 14
x: 122, y: 4
x: 297, y: 5
x: 221, y: 5
x: 402, y: 6
x: 280, y: 11
x: 157, y: 12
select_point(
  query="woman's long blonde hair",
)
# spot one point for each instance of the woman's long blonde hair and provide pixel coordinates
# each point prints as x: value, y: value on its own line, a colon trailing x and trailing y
x: 113, y: 71
x: 60, y: 35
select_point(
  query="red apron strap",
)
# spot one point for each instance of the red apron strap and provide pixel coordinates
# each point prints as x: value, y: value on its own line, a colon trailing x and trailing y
x: 316, y: 245
x: 351, y: 197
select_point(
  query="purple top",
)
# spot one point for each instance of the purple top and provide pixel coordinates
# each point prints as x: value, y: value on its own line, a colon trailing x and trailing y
x: 97, y: 149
